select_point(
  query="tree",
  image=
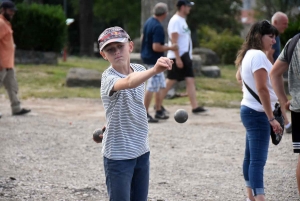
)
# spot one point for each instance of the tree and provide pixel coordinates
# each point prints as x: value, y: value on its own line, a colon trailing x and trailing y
x: 266, y: 8
x: 86, y: 27
x: 126, y: 13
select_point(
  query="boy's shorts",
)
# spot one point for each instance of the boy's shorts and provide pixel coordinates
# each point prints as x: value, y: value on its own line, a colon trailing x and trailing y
x: 296, y: 131
x: 157, y: 82
x: 180, y: 74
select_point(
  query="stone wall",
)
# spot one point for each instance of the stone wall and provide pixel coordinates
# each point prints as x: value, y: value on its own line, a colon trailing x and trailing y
x: 35, y: 57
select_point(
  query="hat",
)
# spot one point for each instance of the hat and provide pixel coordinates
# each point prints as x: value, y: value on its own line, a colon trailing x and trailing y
x: 184, y: 3
x: 8, y: 5
x: 160, y: 9
x: 112, y: 34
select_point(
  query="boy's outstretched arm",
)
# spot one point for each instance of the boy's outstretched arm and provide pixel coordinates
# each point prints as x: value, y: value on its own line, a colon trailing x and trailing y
x: 137, y: 78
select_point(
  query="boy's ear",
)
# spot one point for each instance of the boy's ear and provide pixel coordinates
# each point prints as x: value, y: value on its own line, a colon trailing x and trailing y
x: 103, y: 55
x: 131, y: 46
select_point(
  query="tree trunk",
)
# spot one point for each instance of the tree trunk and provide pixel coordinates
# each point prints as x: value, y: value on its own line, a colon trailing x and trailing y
x: 147, y: 8
x: 86, y: 27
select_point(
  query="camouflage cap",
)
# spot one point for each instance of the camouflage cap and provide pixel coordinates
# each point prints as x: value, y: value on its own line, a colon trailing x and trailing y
x: 112, y: 34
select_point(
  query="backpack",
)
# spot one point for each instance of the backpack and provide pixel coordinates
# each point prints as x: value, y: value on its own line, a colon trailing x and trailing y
x: 289, y: 49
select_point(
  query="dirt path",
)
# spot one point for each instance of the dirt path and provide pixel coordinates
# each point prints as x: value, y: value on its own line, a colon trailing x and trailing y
x: 49, y: 155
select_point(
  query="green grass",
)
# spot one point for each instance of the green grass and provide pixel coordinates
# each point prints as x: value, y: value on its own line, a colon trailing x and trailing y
x: 48, y: 81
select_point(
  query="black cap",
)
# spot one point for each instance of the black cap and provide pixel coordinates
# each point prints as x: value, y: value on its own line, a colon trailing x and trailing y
x: 184, y: 3
x: 8, y: 5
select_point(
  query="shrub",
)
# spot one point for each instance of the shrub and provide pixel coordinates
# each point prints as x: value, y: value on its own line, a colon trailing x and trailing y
x: 39, y: 27
x: 225, y: 44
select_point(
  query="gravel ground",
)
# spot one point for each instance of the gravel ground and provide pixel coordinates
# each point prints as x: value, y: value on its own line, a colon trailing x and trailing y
x: 50, y: 155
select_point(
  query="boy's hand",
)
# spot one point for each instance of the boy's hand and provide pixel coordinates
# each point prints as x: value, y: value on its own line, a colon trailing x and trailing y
x: 162, y: 64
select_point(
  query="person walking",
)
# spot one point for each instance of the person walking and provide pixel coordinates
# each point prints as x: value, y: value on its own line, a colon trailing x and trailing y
x: 280, y: 22
x: 125, y: 139
x: 180, y: 34
x: 288, y: 60
x: 253, y: 68
x: 153, y: 48
x: 7, y: 53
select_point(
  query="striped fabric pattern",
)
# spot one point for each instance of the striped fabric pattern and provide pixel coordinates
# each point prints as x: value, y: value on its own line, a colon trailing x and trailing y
x: 126, y: 134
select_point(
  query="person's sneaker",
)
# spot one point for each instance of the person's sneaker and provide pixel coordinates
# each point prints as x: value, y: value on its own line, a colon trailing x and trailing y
x: 151, y: 119
x: 162, y: 109
x: 161, y: 115
x: 199, y: 110
x: 288, y: 128
x: 22, y: 112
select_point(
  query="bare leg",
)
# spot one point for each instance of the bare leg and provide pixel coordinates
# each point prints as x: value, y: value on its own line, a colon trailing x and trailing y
x: 298, y: 174
x: 191, y: 90
x: 249, y: 193
x: 260, y: 198
x: 158, y: 99
x: 169, y: 85
x: 147, y: 101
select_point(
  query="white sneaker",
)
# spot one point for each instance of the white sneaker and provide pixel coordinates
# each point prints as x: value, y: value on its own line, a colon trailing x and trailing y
x: 288, y: 128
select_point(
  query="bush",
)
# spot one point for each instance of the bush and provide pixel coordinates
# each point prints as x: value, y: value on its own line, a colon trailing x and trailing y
x: 225, y: 44
x: 39, y: 27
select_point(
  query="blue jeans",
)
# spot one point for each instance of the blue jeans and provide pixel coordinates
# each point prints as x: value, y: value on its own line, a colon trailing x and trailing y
x: 256, y: 151
x: 127, y: 180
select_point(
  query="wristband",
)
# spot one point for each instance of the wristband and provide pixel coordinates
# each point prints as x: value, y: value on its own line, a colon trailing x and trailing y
x: 272, y: 119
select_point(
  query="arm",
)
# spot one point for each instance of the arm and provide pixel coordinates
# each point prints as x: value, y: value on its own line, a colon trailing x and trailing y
x: 174, y: 39
x: 137, y: 78
x: 261, y: 76
x: 277, y: 81
x: 238, y: 76
x: 157, y: 47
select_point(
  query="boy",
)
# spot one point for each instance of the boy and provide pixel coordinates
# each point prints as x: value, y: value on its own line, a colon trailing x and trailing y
x: 125, y: 140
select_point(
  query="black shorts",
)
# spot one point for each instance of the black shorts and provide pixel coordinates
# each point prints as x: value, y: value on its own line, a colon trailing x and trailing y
x: 180, y: 74
x: 296, y: 131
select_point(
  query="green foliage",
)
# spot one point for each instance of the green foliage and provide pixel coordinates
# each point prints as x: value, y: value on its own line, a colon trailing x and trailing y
x: 126, y: 14
x: 218, y: 14
x: 225, y: 44
x: 39, y: 27
x: 266, y: 8
x: 293, y: 29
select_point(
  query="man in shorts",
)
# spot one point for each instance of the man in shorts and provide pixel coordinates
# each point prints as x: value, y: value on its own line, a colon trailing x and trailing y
x: 288, y: 60
x: 153, y: 48
x: 182, y: 69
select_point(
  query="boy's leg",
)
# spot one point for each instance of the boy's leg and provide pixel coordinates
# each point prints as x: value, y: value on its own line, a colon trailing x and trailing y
x: 119, y: 175
x: 140, y: 180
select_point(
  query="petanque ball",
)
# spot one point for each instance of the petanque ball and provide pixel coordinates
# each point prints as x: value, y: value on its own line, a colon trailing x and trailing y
x: 181, y: 116
x: 96, y: 134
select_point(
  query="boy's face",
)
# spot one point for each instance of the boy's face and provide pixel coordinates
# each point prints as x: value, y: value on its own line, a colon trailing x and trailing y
x: 117, y: 53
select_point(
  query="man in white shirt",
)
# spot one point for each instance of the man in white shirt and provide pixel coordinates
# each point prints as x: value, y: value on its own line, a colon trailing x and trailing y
x: 182, y: 69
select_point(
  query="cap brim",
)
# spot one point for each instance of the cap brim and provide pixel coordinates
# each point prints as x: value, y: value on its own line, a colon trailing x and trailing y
x: 114, y: 40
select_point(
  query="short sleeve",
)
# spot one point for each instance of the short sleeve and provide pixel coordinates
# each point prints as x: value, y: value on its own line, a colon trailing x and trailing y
x: 174, y: 26
x: 282, y: 56
x: 259, y: 61
x: 158, y: 35
x: 3, y: 29
x: 107, y: 83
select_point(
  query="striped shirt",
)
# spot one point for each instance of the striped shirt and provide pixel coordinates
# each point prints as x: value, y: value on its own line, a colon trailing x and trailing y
x: 126, y: 134
x: 293, y: 76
